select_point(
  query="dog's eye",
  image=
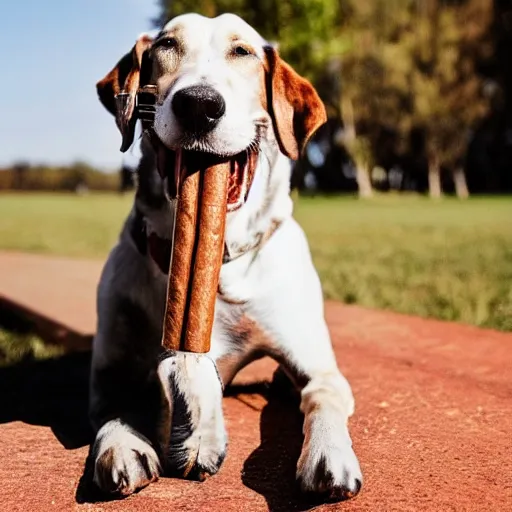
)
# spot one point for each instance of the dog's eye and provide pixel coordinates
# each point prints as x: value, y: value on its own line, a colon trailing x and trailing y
x: 168, y: 42
x: 241, y: 51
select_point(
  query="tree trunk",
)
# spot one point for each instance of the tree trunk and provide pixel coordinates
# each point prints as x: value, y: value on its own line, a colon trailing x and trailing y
x: 461, y: 187
x: 434, y: 178
x: 356, y: 148
x: 364, y: 183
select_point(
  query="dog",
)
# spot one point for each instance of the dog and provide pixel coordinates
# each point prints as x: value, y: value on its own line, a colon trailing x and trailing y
x: 222, y: 89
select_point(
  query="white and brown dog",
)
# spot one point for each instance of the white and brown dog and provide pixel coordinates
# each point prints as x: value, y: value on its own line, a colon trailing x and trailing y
x: 222, y: 89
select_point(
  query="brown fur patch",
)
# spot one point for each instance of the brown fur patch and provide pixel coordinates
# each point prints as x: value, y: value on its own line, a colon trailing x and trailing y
x: 250, y: 342
x: 294, y: 106
x: 124, y: 76
x: 132, y: 71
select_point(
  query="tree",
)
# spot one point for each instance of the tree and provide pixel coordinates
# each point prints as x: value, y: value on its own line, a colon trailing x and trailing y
x: 412, y: 65
x: 446, y: 90
x: 371, y: 93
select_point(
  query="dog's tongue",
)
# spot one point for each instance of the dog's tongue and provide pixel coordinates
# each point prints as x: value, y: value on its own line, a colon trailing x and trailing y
x: 201, y: 184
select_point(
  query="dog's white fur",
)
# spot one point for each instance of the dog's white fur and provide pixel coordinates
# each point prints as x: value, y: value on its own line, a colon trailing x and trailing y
x: 207, y: 443
x: 275, y: 288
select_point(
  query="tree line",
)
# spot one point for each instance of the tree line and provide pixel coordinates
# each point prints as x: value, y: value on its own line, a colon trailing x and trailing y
x: 78, y: 177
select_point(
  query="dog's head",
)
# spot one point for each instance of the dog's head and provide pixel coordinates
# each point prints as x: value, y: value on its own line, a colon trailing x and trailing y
x: 220, y: 87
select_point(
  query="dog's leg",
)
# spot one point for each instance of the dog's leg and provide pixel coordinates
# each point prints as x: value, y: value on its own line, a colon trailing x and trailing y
x: 125, y: 397
x: 291, y: 311
x: 194, y: 440
x: 125, y: 403
x: 327, y: 463
x: 125, y: 449
x: 195, y: 445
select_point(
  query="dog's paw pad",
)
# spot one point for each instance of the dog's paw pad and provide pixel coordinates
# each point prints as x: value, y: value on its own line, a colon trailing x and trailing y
x: 335, y: 474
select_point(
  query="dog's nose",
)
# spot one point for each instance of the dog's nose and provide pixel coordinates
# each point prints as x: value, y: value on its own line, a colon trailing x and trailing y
x: 198, y: 108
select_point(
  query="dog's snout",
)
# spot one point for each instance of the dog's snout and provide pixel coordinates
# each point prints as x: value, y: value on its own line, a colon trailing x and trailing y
x: 198, y: 108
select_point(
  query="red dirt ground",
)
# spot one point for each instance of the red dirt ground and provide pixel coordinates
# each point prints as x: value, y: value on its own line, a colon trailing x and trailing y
x: 432, y: 426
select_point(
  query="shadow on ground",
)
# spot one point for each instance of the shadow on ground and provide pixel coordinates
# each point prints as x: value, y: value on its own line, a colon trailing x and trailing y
x: 54, y: 393
x: 270, y: 469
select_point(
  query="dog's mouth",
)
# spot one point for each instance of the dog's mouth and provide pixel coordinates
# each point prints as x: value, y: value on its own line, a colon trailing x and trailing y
x: 173, y: 166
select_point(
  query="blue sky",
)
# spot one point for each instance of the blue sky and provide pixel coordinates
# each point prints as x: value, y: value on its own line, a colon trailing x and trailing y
x: 54, y: 51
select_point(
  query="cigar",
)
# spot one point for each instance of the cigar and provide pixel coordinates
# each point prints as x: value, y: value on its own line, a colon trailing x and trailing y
x: 196, y: 256
x: 181, y: 262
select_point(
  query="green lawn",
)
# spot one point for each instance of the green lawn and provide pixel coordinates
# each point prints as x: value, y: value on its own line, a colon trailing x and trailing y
x: 447, y: 259
x: 82, y: 226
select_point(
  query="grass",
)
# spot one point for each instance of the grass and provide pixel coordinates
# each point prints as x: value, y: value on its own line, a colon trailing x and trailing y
x: 16, y: 348
x: 447, y: 259
x: 64, y: 224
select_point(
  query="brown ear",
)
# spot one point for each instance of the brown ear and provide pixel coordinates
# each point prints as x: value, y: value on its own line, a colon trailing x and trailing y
x: 132, y: 71
x: 294, y: 105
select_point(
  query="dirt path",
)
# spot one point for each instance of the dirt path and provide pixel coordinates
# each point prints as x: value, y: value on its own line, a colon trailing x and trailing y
x: 432, y: 426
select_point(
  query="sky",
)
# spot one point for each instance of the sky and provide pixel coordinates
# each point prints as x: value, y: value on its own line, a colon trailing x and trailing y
x: 54, y: 52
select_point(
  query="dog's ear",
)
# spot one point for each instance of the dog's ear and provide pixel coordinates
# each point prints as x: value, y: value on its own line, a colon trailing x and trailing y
x: 294, y: 105
x: 132, y: 71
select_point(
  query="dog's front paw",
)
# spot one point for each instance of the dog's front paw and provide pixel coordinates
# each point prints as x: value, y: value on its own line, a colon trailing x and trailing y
x: 197, y: 443
x: 124, y: 461
x: 329, y: 466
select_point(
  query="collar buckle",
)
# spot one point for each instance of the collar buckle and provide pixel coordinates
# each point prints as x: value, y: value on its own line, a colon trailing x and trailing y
x: 145, y: 103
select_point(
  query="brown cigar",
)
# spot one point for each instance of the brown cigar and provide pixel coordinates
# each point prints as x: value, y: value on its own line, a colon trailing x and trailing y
x: 208, y: 258
x: 196, y: 257
x: 181, y: 262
